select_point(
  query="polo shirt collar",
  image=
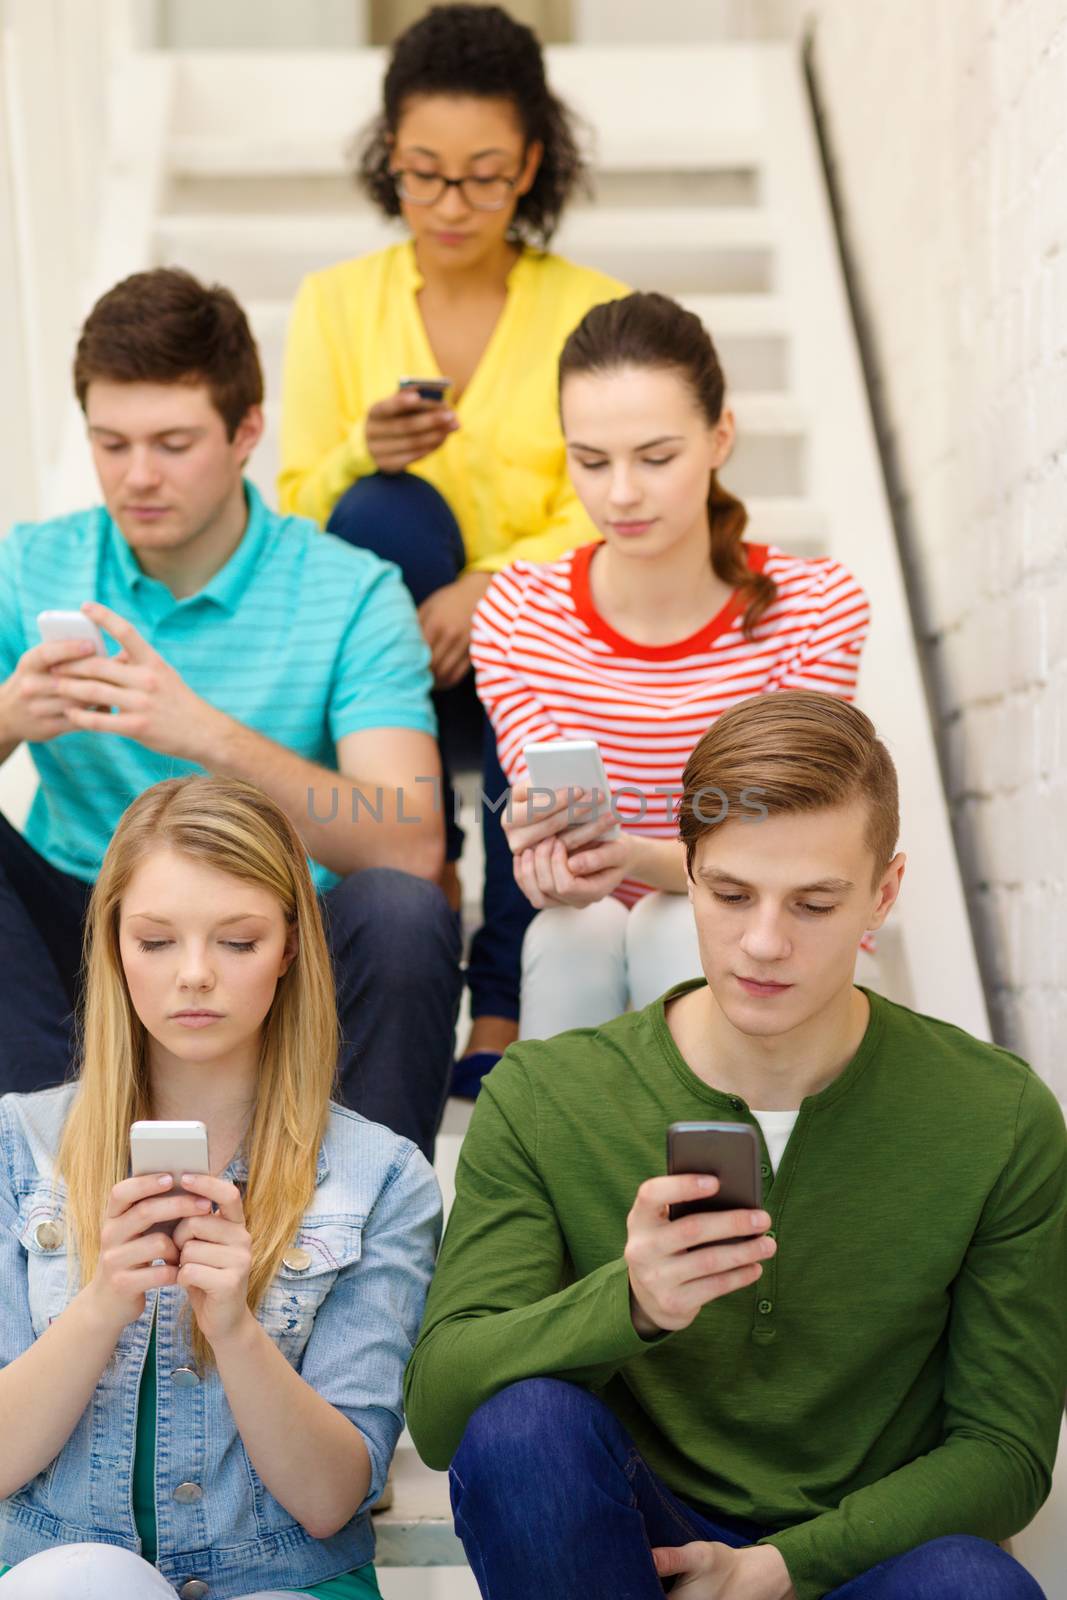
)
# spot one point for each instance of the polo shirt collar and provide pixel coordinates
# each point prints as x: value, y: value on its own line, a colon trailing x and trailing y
x: 228, y: 585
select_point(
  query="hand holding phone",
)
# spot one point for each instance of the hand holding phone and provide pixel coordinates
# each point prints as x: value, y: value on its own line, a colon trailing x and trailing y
x: 32, y: 707
x: 409, y: 424
x: 169, y: 1147
x: 570, y: 766
x: 680, y: 1263
x: 72, y: 625
x: 137, y: 1252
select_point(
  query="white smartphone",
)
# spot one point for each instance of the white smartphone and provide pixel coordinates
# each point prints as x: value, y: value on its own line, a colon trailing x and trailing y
x: 174, y: 1147
x: 70, y: 625
x: 572, y: 764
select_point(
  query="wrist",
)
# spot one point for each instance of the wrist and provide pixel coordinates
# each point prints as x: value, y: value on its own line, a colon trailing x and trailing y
x: 100, y: 1318
x: 643, y: 1324
x: 768, y: 1563
x: 213, y: 744
x: 236, y: 1340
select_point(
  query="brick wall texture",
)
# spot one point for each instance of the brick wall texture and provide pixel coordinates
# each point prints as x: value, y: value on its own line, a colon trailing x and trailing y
x: 947, y: 121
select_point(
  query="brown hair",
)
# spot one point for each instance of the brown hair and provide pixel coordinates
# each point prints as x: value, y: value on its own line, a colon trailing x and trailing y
x: 792, y: 752
x: 651, y: 330
x: 164, y: 326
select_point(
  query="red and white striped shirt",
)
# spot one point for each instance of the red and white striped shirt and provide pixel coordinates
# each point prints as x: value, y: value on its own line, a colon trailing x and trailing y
x: 548, y: 666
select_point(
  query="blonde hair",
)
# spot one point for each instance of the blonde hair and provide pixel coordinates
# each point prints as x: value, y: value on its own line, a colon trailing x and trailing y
x: 236, y: 829
x: 791, y: 752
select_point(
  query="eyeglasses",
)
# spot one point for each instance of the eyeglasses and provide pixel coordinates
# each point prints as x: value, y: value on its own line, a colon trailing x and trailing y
x: 427, y: 188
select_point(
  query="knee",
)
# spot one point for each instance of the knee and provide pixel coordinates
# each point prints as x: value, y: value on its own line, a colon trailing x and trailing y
x: 399, y: 922
x: 85, y: 1569
x: 401, y: 518
x: 592, y: 936
x: 524, y: 1430
x: 960, y: 1566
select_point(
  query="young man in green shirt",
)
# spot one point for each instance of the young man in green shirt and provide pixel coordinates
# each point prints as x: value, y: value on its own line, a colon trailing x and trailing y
x: 864, y: 1393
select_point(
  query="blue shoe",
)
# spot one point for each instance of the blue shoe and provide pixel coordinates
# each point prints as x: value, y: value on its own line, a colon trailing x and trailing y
x: 468, y: 1072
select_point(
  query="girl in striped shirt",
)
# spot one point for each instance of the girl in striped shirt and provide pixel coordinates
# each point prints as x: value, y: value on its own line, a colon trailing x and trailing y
x: 639, y: 642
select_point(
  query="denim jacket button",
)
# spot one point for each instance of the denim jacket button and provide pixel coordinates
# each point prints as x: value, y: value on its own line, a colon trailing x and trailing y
x: 49, y: 1235
x: 187, y: 1494
x: 185, y: 1377
x: 298, y: 1259
x: 195, y: 1589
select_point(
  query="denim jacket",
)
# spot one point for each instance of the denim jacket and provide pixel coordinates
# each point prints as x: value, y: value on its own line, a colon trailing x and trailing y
x: 345, y: 1315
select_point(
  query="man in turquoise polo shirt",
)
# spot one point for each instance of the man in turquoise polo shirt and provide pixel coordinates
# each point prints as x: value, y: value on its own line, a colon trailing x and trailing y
x: 852, y: 1389
x: 238, y: 642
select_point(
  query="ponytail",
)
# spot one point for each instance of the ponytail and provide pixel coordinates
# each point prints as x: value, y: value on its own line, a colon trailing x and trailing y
x: 727, y: 520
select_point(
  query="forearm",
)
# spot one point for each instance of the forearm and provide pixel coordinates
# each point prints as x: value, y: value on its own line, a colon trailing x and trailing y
x: 9, y: 740
x: 658, y: 862
x: 45, y: 1391
x: 314, y: 491
x: 311, y: 1458
x: 345, y: 823
x: 583, y: 1333
x: 968, y: 1485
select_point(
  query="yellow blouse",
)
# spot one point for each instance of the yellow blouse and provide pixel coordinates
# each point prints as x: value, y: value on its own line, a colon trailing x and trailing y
x: 356, y: 329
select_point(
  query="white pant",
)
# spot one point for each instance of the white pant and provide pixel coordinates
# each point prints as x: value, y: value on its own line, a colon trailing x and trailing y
x: 581, y: 967
x: 96, y: 1572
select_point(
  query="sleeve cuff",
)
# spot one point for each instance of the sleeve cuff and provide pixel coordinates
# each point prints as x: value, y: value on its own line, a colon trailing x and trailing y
x: 359, y: 461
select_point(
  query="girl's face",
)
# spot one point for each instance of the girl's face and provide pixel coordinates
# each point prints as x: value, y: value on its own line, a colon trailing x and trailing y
x: 462, y: 136
x: 202, y: 952
x: 641, y: 453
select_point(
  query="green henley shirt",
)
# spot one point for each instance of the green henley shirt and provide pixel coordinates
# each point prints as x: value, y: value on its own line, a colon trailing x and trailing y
x: 897, y: 1373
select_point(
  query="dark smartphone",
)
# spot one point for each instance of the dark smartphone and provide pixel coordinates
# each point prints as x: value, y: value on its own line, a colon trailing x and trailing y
x: 729, y: 1150
x: 428, y: 388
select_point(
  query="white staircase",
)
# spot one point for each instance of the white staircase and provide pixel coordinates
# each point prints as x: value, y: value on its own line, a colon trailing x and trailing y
x: 709, y: 188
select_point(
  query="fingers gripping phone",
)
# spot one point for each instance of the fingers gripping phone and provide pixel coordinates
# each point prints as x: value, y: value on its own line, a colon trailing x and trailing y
x: 174, y: 1147
x: 730, y: 1151
x: 562, y: 764
x: 70, y: 625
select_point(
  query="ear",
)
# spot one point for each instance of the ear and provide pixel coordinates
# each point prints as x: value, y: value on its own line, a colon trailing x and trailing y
x: 534, y: 156
x: 249, y: 433
x: 888, y: 890
x: 723, y: 435
x: 292, y: 946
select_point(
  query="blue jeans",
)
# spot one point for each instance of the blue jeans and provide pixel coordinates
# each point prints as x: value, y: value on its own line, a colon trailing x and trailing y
x: 551, y: 1498
x: 403, y: 519
x: 395, y: 947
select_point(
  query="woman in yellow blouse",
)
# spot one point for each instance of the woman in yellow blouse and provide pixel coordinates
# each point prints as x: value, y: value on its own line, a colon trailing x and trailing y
x: 477, y: 156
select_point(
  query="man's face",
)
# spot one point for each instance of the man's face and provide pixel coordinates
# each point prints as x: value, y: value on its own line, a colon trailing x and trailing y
x: 781, y: 904
x: 165, y: 464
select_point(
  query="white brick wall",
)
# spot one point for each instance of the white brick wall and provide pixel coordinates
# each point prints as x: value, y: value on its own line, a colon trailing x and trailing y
x: 949, y: 137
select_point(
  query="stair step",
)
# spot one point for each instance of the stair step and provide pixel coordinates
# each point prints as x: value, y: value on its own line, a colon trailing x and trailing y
x: 264, y: 256
x: 417, y: 1529
x: 714, y: 95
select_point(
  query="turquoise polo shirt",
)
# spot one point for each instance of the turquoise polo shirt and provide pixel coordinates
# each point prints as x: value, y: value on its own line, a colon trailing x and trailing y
x: 299, y: 635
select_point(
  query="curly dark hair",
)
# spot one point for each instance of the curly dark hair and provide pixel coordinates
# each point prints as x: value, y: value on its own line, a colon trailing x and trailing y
x: 478, y: 50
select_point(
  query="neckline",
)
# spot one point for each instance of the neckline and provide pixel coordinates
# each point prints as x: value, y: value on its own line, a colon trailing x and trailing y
x: 582, y: 595
x: 865, y: 1051
x: 512, y: 283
